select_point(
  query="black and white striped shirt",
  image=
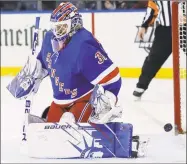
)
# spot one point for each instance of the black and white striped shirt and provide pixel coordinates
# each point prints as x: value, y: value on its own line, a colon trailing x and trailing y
x: 164, y: 13
x: 164, y: 16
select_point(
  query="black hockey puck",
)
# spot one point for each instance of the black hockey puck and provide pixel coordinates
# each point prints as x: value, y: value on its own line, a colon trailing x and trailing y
x: 168, y: 127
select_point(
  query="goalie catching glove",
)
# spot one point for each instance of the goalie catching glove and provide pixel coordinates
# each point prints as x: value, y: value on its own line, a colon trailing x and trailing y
x: 104, y: 105
x: 28, y: 79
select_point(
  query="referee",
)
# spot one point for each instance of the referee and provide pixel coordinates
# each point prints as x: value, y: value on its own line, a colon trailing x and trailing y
x: 162, y: 44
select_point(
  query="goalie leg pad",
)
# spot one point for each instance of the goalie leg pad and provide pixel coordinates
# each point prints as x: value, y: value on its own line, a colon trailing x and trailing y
x: 81, y: 140
x: 123, y: 142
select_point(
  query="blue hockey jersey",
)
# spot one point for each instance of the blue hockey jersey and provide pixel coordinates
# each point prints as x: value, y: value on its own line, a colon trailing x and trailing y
x: 79, y: 66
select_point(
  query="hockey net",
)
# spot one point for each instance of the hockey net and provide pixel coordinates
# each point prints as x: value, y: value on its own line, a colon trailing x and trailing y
x: 179, y: 45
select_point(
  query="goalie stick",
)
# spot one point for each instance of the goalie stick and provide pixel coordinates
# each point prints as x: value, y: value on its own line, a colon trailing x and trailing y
x: 29, y: 100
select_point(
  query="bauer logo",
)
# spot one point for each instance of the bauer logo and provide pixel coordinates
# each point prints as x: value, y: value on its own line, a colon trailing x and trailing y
x: 56, y: 126
x: 147, y: 41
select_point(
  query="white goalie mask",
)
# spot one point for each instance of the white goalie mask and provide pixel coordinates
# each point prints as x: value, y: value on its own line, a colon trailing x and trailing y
x: 65, y: 21
x: 60, y: 31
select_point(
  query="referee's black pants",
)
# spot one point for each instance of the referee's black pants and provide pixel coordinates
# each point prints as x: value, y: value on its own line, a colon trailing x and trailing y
x: 159, y: 53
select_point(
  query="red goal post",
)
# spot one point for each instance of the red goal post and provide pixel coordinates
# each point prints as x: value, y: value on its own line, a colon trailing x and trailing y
x: 179, y: 46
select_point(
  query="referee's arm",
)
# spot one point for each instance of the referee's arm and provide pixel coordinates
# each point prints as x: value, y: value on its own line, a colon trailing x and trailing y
x: 151, y: 14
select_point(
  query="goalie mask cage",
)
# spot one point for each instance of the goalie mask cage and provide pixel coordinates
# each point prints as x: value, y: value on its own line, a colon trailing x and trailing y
x: 179, y: 45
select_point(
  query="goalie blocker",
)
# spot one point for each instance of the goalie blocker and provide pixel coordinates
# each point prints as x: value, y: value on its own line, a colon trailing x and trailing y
x: 81, y: 140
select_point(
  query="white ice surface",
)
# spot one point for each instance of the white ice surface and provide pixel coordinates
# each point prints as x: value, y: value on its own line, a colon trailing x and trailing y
x: 148, y: 118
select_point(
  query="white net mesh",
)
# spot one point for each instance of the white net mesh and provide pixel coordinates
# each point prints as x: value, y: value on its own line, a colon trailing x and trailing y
x: 182, y: 56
